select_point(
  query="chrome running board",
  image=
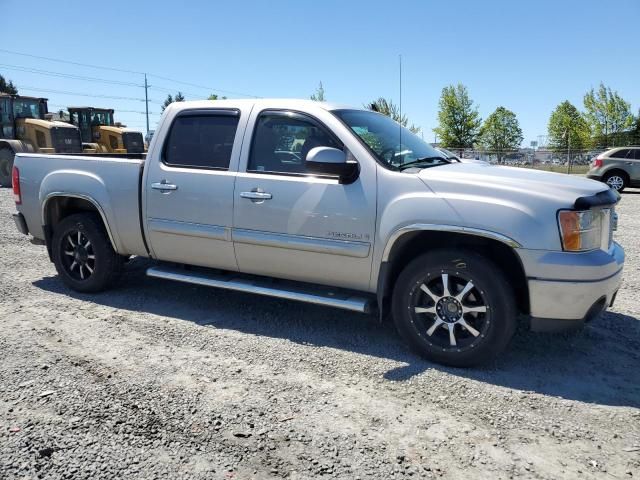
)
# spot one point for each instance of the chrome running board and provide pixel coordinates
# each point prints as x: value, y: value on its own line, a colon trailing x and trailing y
x: 317, y: 294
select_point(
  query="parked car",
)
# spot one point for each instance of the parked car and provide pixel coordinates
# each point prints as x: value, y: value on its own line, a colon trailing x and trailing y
x: 324, y: 204
x: 619, y: 168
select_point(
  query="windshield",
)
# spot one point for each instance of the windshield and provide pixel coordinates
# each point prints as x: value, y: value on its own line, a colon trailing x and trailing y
x: 392, y: 144
x: 26, y: 108
x: 101, y: 117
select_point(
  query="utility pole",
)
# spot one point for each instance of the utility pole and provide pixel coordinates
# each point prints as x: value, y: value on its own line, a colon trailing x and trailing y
x: 146, y: 100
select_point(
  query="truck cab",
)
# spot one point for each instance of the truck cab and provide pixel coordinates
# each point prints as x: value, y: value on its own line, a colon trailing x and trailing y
x: 101, y: 134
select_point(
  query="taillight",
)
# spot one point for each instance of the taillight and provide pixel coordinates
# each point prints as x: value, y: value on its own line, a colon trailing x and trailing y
x: 597, y: 162
x: 15, y: 181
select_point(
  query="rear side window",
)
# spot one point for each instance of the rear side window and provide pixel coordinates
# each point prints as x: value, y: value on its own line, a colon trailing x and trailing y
x: 624, y: 153
x: 636, y: 153
x: 201, y: 141
x: 282, y: 141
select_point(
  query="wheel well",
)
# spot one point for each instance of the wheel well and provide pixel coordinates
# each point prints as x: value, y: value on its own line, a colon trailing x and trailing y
x: 617, y: 171
x: 412, y: 244
x: 58, y: 208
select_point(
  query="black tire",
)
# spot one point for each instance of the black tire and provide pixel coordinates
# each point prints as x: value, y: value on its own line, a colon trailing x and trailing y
x: 617, y: 180
x: 72, y: 256
x: 6, y: 166
x: 478, y: 336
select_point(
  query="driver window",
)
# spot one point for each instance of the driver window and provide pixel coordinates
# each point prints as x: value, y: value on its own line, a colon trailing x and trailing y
x: 282, y: 141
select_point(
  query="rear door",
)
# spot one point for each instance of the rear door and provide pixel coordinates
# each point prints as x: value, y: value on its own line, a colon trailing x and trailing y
x: 189, y: 189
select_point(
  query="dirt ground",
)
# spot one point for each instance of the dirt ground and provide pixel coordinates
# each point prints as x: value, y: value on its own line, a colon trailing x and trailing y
x: 163, y: 380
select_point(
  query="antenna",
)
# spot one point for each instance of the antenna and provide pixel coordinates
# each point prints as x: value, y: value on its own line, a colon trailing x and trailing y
x: 400, y: 119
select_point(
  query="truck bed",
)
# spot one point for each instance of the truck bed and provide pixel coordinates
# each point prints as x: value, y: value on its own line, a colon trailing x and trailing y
x: 110, y: 181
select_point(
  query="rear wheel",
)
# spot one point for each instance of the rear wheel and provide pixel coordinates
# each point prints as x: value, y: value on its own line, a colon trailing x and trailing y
x: 618, y: 181
x: 6, y: 165
x: 454, y: 307
x: 83, y: 255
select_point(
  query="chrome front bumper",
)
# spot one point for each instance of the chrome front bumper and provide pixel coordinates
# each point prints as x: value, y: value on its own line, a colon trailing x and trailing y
x: 567, y: 289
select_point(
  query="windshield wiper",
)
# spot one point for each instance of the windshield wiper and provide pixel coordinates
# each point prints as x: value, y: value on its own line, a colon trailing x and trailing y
x: 424, y: 160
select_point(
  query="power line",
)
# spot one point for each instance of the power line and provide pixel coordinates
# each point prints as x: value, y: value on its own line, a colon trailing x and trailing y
x: 146, y: 86
x: 94, y: 95
x: 67, y: 75
x: 230, y: 92
x: 172, y: 90
x: 70, y: 62
x: 57, y: 105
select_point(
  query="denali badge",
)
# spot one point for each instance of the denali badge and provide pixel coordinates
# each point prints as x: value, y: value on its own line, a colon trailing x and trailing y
x: 348, y: 236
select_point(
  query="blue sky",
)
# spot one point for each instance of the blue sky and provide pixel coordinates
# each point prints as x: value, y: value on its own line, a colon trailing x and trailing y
x: 526, y: 56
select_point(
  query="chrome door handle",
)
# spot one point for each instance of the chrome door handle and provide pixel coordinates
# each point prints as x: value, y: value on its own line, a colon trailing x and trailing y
x: 163, y: 186
x: 256, y: 195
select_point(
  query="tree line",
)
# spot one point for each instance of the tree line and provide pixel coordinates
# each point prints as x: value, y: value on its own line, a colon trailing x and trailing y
x: 606, y: 121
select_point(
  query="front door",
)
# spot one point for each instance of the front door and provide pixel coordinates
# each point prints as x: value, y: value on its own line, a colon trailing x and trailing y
x: 189, y: 189
x: 293, y: 225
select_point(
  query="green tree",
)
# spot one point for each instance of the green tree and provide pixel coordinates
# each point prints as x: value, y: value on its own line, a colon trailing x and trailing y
x: 213, y: 96
x: 7, y: 87
x: 169, y: 100
x: 501, y: 132
x: 390, y: 109
x: 319, y: 95
x: 608, y: 115
x: 568, y: 128
x: 458, y: 118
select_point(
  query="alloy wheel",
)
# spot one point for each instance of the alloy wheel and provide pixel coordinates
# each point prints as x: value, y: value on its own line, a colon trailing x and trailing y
x: 616, y: 182
x: 449, y: 311
x: 78, y: 257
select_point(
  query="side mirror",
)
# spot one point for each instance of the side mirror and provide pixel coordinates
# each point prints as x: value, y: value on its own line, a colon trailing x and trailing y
x: 331, y: 161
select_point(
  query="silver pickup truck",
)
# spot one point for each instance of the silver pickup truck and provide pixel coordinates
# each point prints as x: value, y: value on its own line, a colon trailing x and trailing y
x: 335, y: 206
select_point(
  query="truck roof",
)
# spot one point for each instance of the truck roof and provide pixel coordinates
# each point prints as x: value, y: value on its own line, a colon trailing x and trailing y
x: 292, y: 103
x: 3, y: 94
x: 99, y: 109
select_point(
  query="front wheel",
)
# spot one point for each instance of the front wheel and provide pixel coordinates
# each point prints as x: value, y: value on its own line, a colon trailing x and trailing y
x: 83, y: 255
x: 6, y: 165
x: 455, y: 307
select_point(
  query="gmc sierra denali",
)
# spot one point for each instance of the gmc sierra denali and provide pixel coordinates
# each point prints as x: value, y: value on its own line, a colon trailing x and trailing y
x: 336, y: 206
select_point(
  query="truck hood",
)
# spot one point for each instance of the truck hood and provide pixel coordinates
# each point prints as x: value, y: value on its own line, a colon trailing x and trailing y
x: 520, y: 203
x: 48, y: 123
x: 510, y: 183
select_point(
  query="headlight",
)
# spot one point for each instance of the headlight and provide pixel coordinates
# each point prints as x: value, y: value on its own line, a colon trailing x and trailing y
x: 585, y: 230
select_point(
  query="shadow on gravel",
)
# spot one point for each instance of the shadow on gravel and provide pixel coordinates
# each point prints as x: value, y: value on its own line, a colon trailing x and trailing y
x: 598, y: 364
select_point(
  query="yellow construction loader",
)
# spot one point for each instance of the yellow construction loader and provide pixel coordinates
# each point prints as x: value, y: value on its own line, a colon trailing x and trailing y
x: 100, y: 134
x: 26, y: 126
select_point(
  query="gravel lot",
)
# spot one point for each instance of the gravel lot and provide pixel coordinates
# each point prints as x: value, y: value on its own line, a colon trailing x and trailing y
x: 164, y: 380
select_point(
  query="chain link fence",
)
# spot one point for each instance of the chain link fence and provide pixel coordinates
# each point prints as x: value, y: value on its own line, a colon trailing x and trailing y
x: 577, y: 161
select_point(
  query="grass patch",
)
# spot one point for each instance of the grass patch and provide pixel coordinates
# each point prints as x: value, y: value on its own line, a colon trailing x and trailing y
x: 575, y: 169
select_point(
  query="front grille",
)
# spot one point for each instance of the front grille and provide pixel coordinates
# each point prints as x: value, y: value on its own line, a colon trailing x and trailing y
x: 66, y: 140
x: 133, y: 142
